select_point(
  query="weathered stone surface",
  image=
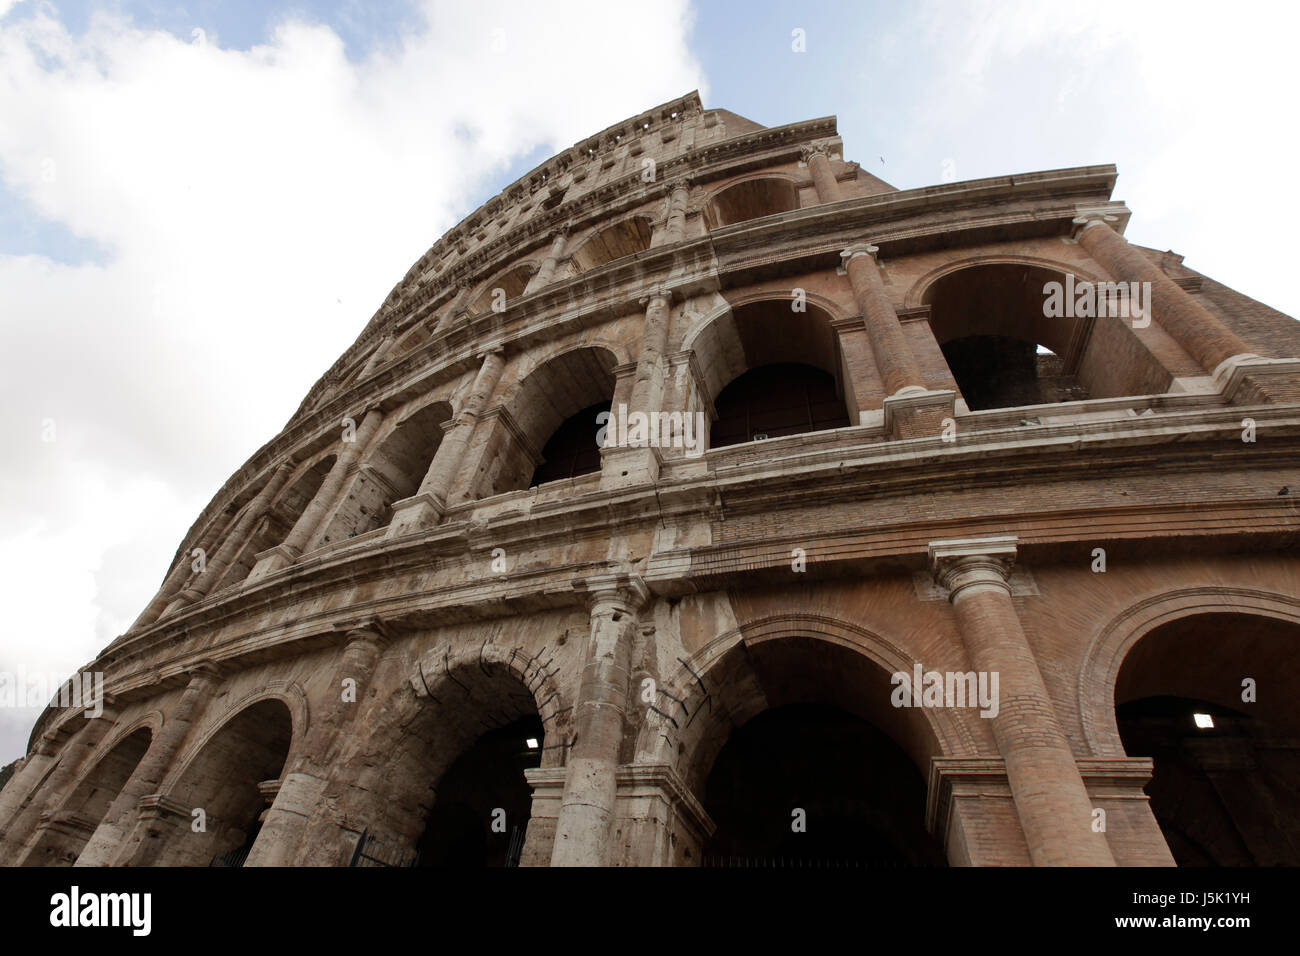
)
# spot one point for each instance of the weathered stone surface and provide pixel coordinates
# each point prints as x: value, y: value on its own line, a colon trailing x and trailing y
x: 391, y: 598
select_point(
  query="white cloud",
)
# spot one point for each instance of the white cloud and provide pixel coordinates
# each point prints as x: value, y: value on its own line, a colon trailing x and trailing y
x: 1191, y: 101
x: 259, y: 205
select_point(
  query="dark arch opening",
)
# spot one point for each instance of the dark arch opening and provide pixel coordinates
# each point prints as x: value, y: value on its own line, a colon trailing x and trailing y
x: 753, y: 199
x: 990, y: 322
x: 622, y: 239
x: 862, y: 799
x: 572, y: 450
x: 995, y: 371
x: 483, y: 802
x: 279, y: 521
x: 73, y: 823
x: 1227, y: 794
x: 776, y: 400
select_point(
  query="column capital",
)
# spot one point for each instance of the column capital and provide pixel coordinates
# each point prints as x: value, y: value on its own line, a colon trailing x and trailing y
x: 858, y: 249
x: 964, y: 563
x: 816, y: 148
x: 205, y: 670
x: 657, y: 292
x: 371, y: 630
x: 1113, y: 215
x: 622, y: 591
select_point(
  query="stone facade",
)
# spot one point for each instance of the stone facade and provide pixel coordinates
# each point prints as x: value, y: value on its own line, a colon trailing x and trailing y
x: 382, y: 587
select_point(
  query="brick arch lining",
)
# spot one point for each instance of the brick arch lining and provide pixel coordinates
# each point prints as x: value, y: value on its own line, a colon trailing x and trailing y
x: 449, y: 698
x: 749, y: 333
x: 717, y: 690
x: 1114, y: 640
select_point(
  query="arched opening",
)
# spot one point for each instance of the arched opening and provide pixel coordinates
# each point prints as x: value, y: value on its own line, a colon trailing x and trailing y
x: 811, y: 785
x: 278, y: 522
x: 511, y: 286
x: 752, y: 199
x: 554, y: 412
x: 1002, y: 349
x: 1212, y: 699
x: 774, y: 401
x: 625, y: 238
x: 70, y: 827
x: 233, y: 780
x: 391, y: 473
x: 443, y: 784
x: 804, y: 761
x: 771, y: 372
x: 483, y: 801
x: 572, y: 450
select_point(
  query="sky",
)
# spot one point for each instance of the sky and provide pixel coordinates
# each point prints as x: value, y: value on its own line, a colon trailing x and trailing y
x: 202, y: 204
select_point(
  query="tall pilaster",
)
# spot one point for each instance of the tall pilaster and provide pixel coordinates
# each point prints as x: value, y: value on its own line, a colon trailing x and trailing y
x: 582, y: 834
x: 425, y: 508
x: 303, y: 783
x: 1204, y: 337
x: 309, y: 523
x: 546, y: 272
x: 678, y: 195
x: 1051, y: 799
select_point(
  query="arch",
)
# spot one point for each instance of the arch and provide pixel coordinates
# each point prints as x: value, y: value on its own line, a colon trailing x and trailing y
x: 918, y: 293
x: 738, y: 351
x: 622, y: 238
x: 990, y: 317
x: 453, y: 695
x: 64, y: 833
x: 693, y: 710
x: 1111, y: 644
x: 1226, y: 764
x: 280, y: 517
x: 751, y: 197
x: 512, y: 281
x: 391, y: 472
x: 557, y: 391
x: 755, y: 330
x: 232, y: 774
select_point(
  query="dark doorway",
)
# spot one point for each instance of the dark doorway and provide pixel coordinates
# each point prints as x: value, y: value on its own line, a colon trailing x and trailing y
x: 776, y: 400
x: 994, y: 371
x: 483, y: 801
x: 862, y: 797
x: 572, y: 450
x: 1220, y: 799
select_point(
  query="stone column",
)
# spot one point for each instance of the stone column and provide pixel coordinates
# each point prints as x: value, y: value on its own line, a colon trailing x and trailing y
x: 1203, y: 336
x: 546, y: 273
x: 1050, y: 797
x: 894, y: 359
x: 678, y: 195
x: 309, y: 523
x: 819, y: 164
x: 425, y: 508
x: 633, y: 465
x: 910, y: 409
x: 202, y: 583
x: 454, y: 310
x: 108, y: 843
x: 59, y: 783
x: 582, y: 834
x: 376, y: 357
x: 303, y: 783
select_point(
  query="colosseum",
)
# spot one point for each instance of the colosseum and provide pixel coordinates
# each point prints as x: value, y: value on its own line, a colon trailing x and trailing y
x: 704, y: 500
